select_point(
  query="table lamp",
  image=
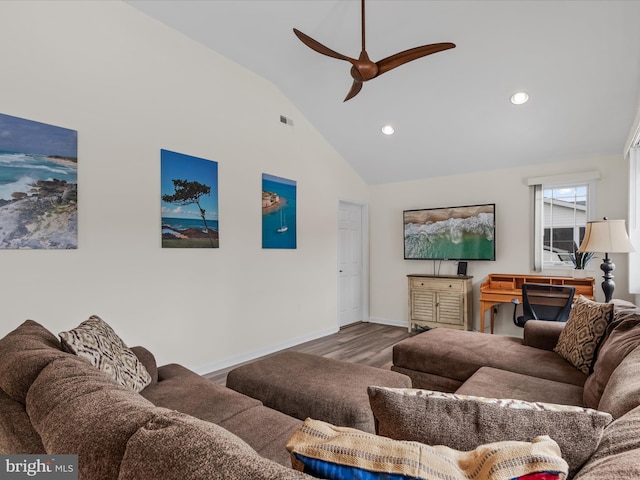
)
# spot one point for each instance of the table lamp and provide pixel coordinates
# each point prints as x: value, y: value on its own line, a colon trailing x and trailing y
x: 606, y: 236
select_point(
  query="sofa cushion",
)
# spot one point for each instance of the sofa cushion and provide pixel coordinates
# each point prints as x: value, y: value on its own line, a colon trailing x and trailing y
x: 178, y: 388
x: 618, y: 455
x: 95, y: 341
x: 623, y: 336
x: 464, y: 422
x: 77, y: 409
x: 622, y: 392
x: 326, y: 451
x: 457, y: 354
x: 492, y: 382
x: 16, y: 432
x: 265, y: 430
x: 24, y: 352
x: 175, y: 446
x: 586, y: 327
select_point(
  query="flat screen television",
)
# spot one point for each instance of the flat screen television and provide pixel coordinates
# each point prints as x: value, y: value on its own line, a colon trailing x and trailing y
x: 452, y: 233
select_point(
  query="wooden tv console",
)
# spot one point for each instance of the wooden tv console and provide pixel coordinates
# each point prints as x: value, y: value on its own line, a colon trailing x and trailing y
x: 503, y: 287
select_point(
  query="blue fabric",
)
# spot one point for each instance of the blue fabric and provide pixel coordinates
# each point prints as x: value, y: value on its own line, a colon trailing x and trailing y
x: 334, y: 471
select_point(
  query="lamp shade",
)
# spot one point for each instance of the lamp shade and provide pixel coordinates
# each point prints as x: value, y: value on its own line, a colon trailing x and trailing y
x: 606, y: 236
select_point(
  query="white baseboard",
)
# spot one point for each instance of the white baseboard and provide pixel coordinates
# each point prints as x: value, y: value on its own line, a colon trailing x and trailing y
x: 248, y: 356
x: 386, y: 321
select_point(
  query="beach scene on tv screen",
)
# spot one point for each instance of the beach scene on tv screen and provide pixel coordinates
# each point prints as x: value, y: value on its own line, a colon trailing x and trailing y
x: 457, y: 233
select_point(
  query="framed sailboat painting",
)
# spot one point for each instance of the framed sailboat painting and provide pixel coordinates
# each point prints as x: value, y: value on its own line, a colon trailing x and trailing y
x: 278, y: 212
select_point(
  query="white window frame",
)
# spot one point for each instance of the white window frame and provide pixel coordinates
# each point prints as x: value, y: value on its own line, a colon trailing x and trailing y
x: 539, y: 184
x: 634, y: 218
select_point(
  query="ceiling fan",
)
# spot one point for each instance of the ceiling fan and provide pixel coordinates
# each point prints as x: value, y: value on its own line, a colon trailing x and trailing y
x: 364, y: 69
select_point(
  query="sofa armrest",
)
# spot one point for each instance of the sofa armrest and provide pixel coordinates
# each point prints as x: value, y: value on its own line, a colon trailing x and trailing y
x: 148, y: 360
x: 542, y: 334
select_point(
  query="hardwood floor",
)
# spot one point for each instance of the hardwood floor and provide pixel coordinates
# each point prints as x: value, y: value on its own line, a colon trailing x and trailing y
x: 366, y: 343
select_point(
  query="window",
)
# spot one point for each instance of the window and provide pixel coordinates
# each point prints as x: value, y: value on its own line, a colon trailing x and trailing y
x: 564, y: 222
x: 562, y: 206
x: 634, y: 218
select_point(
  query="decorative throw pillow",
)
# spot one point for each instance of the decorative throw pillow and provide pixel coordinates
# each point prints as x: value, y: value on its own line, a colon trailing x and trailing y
x: 464, y: 422
x: 95, y: 341
x: 579, y: 341
x: 337, y: 453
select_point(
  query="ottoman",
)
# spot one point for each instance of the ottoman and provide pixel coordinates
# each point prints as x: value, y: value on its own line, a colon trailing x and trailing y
x: 310, y: 386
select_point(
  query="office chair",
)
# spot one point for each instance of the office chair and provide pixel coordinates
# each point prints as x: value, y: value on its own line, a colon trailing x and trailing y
x: 543, y: 302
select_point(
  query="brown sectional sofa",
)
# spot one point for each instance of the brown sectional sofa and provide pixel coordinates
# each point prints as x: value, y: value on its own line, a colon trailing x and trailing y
x: 478, y: 364
x: 182, y: 426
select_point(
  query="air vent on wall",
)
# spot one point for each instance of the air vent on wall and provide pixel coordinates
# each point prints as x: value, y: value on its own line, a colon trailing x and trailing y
x: 286, y: 120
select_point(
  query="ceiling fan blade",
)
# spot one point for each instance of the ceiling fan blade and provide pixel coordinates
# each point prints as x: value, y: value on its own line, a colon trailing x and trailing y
x: 355, y: 89
x: 318, y: 47
x: 401, y: 58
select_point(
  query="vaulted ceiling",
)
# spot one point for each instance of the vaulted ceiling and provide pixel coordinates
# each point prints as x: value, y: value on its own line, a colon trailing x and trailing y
x: 579, y: 61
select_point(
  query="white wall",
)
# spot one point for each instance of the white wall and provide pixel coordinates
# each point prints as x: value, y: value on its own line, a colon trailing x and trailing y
x: 514, y: 226
x: 131, y: 86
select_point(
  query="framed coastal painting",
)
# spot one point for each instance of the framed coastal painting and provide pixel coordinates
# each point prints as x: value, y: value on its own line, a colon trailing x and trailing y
x: 278, y: 212
x: 38, y: 185
x: 189, y: 190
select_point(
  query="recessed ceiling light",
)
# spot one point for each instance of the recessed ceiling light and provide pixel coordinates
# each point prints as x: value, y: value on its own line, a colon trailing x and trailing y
x: 388, y: 130
x: 519, y: 98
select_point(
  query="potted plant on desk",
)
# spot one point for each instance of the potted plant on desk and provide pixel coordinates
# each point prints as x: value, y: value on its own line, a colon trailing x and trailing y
x: 580, y: 262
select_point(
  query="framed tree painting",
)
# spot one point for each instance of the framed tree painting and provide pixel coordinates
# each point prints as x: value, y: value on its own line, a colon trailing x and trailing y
x: 189, y: 189
x: 38, y: 185
x: 278, y: 212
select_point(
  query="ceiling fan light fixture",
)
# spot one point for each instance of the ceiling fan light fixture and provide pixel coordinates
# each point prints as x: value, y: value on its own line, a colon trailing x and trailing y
x: 362, y: 68
x: 388, y: 130
x: 519, y: 98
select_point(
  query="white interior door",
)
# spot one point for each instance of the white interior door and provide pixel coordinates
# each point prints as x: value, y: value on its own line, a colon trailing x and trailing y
x: 350, y: 263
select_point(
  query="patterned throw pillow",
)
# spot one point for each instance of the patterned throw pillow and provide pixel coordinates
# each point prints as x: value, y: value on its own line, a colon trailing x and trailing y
x: 325, y: 451
x: 464, y: 422
x: 579, y: 341
x: 95, y: 341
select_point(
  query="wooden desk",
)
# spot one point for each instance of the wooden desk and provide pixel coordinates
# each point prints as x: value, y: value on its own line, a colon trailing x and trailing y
x: 503, y: 287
